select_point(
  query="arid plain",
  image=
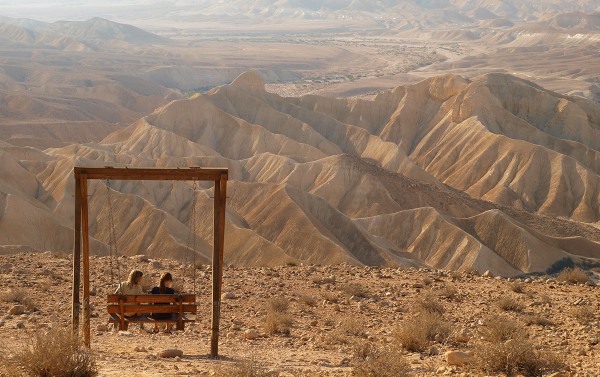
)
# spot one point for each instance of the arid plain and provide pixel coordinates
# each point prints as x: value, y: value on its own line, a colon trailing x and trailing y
x: 383, y: 148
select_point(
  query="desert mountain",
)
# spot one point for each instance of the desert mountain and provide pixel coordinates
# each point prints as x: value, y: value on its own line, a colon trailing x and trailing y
x: 493, y: 173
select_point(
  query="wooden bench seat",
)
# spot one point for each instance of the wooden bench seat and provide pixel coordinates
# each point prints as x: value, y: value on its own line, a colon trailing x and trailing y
x: 179, y: 306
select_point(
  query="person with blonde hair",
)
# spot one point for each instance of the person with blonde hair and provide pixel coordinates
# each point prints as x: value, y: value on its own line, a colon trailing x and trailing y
x: 133, y: 286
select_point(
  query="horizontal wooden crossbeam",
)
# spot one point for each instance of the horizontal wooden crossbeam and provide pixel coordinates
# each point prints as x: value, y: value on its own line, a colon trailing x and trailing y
x: 156, y: 174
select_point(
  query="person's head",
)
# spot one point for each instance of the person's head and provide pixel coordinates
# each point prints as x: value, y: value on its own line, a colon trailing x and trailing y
x: 135, y: 277
x: 166, y: 280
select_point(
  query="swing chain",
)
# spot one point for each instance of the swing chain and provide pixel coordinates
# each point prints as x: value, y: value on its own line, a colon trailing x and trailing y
x: 112, y: 238
x: 191, y: 241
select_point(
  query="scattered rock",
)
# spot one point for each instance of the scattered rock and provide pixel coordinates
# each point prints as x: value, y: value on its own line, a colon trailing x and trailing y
x: 170, y: 353
x: 139, y: 349
x: 488, y: 274
x: 156, y: 264
x: 434, y: 351
x: 125, y: 333
x: 17, y: 310
x: 93, y: 292
x: 20, y: 325
x: 462, y: 336
x: 457, y: 358
x: 227, y: 296
x: 102, y: 327
x: 251, y: 334
x: 140, y: 258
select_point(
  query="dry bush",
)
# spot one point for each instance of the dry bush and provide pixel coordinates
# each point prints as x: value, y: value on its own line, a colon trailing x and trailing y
x: 573, y: 276
x: 56, y: 353
x: 17, y: 296
x: 278, y: 304
x: 307, y: 300
x: 517, y: 287
x: 449, y: 292
x: 584, y: 314
x: 510, y: 304
x: 324, y: 280
x: 416, y: 333
x: 243, y: 368
x: 350, y: 326
x: 499, y: 329
x: 505, y: 349
x: 373, y: 362
x: 354, y: 289
x: 278, y: 323
x: 538, y: 320
x: 516, y: 356
x: 429, y: 304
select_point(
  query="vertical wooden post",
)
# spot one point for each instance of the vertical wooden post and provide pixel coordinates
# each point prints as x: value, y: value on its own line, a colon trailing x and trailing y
x: 76, y: 259
x: 86, y: 261
x: 220, y: 195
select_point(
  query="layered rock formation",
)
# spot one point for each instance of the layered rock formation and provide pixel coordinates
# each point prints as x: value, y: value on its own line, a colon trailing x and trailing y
x: 493, y: 174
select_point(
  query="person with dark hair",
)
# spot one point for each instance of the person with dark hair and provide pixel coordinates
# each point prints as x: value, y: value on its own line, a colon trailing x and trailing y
x: 164, y: 285
x: 164, y: 288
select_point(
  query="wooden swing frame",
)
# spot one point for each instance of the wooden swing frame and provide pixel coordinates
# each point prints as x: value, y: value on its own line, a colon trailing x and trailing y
x: 81, y: 248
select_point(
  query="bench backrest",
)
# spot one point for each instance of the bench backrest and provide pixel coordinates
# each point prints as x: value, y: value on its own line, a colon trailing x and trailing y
x: 151, y: 299
x: 145, y: 304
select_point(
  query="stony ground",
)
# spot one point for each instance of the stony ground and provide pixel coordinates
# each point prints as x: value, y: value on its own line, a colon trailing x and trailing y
x: 333, y: 310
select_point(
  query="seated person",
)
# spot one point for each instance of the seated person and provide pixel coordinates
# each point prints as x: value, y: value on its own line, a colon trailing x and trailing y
x: 164, y: 287
x: 133, y: 286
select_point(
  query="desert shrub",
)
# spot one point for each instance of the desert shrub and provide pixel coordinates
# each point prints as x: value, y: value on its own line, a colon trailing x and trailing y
x: 278, y: 304
x: 584, y: 314
x: 56, y: 353
x: 350, y: 326
x: 517, y: 287
x: 429, y: 304
x: 500, y: 329
x: 354, y: 289
x: 323, y: 280
x: 516, y: 356
x: 17, y: 296
x: 560, y: 265
x: 538, y: 320
x: 373, y: 362
x: 449, y: 292
x: 573, y: 276
x: 416, y: 333
x: 510, y: 304
x: 278, y: 323
x: 243, y: 368
x: 307, y: 300
x: 505, y: 349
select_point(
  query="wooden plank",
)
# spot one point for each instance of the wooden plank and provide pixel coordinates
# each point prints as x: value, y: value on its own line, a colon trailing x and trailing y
x: 86, y: 261
x: 150, y: 299
x: 220, y: 195
x: 144, y: 309
x: 76, y: 261
x: 184, y: 174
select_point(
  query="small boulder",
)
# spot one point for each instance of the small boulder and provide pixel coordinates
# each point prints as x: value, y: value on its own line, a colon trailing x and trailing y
x: 102, y: 327
x: 227, y: 296
x: 156, y: 264
x: 17, y: 310
x: 170, y: 353
x: 251, y: 334
x: 20, y: 325
x: 458, y: 358
x: 140, y: 258
x: 488, y: 274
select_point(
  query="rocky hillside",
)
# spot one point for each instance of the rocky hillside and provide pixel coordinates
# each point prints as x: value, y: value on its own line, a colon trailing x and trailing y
x: 491, y: 174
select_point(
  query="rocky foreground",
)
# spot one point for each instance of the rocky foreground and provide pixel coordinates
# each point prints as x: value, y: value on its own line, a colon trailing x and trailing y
x: 309, y: 320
